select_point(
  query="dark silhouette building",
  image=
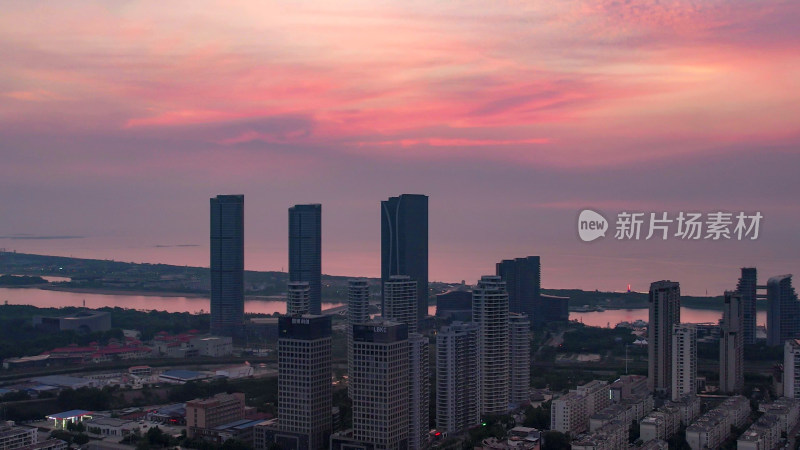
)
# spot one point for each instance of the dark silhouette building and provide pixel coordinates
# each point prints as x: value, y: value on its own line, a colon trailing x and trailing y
x: 227, y: 265
x: 523, y: 283
x: 783, y: 310
x: 404, y: 243
x: 747, y: 290
x: 305, y: 250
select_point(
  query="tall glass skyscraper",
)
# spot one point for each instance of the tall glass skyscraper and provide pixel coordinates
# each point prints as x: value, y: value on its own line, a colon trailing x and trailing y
x: 523, y: 283
x: 404, y: 243
x: 305, y: 250
x: 783, y: 310
x: 227, y: 265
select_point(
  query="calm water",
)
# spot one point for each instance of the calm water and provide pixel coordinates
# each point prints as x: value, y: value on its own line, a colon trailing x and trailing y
x: 58, y: 299
x: 612, y: 317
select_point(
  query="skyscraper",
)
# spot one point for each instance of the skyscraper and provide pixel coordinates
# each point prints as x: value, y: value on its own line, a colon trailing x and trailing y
x: 523, y: 284
x: 357, y: 312
x: 400, y: 301
x: 520, y: 355
x: 419, y: 388
x: 404, y: 243
x: 304, y: 384
x: 490, y: 312
x: 783, y: 311
x: 747, y: 289
x: 380, y: 384
x: 731, y: 345
x: 684, y: 361
x: 297, y: 299
x: 457, y: 384
x: 665, y: 312
x: 305, y: 250
x: 227, y: 265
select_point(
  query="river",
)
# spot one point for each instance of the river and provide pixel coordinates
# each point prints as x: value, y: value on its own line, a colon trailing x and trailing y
x: 58, y: 299
x: 43, y: 298
x: 611, y: 317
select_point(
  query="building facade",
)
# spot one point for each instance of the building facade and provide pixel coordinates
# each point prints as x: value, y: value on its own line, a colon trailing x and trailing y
x: 783, y: 311
x: 400, y: 301
x: 298, y: 298
x: 523, y: 284
x: 419, y: 388
x: 684, y: 361
x: 227, y: 265
x: 357, y: 312
x: 202, y: 415
x: 731, y: 345
x: 520, y: 360
x: 791, y: 368
x: 379, y: 384
x: 490, y: 312
x: 404, y: 243
x: 305, y: 250
x: 665, y: 312
x: 457, y: 384
x: 747, y: 289
x: 304, y: 383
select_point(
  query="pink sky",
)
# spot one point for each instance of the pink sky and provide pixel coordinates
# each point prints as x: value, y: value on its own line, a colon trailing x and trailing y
x: 118, y: 119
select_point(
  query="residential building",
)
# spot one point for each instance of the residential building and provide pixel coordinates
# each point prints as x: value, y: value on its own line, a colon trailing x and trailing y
x: 665, y: 312
x: 714, y: 427
x: 457, y: 383
x: 520, y: 359
x: 570, y: 413
x: 419, y: 387
x: 731, y: 345
x: 684, y: 361
x: 490, y: 312
x: 779, y: 419
x: 227, y: 265
x: 357, y: 312
x: 305, y: 251
x: 404, y: 243
x: 791, y: 368
x: 747, y: 289
x: 400, y: 301
x: 667, y: 420
x: 13, y: 436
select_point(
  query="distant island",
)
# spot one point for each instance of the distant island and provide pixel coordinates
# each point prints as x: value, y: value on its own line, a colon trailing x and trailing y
x: 98, y: 275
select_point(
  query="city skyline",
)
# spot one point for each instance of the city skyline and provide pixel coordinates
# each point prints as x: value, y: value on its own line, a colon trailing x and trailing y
x: 119, y: 119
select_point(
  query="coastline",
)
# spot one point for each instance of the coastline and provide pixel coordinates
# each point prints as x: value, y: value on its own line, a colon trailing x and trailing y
x: 143, y: 293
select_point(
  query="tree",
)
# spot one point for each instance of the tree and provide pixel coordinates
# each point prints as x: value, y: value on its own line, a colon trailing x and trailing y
x: 555, y: 440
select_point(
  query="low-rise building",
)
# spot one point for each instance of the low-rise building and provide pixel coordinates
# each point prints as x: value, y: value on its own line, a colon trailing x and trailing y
x: 713, y: 427
x: 612, y: 435
x: 13, y: 436
x: 49, y: 444
x: 570, y: 413
x: 664, y: 422
x: 106, y: 426
x: 202, y: 415
x: 779, y: 417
